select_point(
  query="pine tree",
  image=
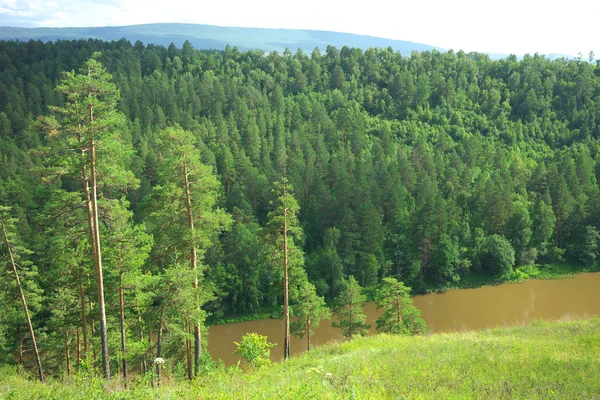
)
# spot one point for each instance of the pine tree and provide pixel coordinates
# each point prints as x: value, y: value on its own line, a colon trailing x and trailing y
x: 309, y: 310
x: 86, y: 143
x: 282, y: 227
x: 399, y: 316
x: 14, y: 260
x: 186, y: 217
x: 349, y: 310
x: 127, y: 248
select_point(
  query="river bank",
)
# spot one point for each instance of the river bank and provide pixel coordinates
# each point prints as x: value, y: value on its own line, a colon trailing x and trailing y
x: 472, y: 281
x: 539, y: 360
x: 445, y: 311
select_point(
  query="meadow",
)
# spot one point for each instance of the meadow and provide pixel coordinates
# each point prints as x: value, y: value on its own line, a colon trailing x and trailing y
x: 541, y: 360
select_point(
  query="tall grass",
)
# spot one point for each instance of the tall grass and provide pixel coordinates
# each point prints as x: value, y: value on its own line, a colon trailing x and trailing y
x: 542, y: 360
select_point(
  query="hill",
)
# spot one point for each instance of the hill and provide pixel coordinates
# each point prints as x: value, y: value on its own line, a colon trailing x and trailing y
x: 539, y: 361
x: 437, y: 169
x: 215, y: 37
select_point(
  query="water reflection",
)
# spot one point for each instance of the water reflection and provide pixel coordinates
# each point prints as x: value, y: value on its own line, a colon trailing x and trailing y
x: 453, y: 310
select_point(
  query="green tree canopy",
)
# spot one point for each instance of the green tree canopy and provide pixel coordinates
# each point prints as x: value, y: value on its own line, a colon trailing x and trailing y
x: 349, y: 310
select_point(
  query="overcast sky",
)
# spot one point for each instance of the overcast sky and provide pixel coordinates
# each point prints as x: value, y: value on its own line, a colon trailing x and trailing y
x: 504, y: 26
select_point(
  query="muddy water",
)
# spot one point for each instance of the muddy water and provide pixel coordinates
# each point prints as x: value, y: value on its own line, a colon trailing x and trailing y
x: 453, y: 310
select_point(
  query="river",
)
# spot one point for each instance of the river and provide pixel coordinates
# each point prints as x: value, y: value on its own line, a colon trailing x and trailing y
x: 452, y: 310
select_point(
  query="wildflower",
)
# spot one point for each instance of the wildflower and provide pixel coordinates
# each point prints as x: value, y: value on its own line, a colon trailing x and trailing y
x: 159, y: 360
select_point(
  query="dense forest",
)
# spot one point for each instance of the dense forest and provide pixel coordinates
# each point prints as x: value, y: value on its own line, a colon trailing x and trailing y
x: 426, y: 167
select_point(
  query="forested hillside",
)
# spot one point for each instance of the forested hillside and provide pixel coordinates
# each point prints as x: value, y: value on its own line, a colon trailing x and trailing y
x: 428, y: 167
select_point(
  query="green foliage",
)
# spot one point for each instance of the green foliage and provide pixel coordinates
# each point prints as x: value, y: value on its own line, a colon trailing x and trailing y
x: 429, y: 167
x: 308, y: 310
x: 13, y: 322
x: 399, y: 316
x: 587, y: 245
x: 349, y: 310
x: 255, y: 349
x: 498, y: 256
x: 89, y: 115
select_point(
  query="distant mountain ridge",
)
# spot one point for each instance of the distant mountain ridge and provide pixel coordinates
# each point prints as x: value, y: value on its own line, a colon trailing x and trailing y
x: 216, y: 37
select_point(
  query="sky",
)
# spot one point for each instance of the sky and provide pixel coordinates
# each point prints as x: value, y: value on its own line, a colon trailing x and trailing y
x: 505, y: 26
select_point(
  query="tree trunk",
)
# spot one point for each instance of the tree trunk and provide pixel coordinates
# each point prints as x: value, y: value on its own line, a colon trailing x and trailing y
x: 188, y: 349
x: 159, y: 348
x: 286, y: 308
x: 141, y: 324
x: 23, y: 301
x: 351, y: 324
x: 78, y: 349
x: 122, y: 317
x: 83, y: 318
x: 98, y: 253
x: 21, y: 338
x: 90, y: 188
x: 92, y: 328
x: 398, y: 310
x: 307, y: 333
x: 193, y: 265
x: 67, y: 352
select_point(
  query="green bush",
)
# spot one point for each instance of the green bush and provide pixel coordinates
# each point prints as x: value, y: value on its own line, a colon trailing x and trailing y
x: 255, y: 349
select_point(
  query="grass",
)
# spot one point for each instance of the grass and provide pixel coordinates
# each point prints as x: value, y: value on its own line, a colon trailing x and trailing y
x: 542, y: 360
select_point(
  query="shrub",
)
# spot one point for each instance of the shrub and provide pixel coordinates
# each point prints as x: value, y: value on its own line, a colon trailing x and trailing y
x: 255, y: 349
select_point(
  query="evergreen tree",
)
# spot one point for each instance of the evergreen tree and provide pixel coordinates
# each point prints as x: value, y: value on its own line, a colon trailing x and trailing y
x: 309, y: 310
x: 87, y: 144
x: 349, y: 310
x: 15, y: 261
x: 399, y: 316
x: 127, y: 248
x: 187, y: 218
x: 281, y: 230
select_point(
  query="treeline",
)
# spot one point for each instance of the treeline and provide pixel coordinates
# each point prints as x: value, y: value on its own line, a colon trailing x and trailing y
x: 428, y: 168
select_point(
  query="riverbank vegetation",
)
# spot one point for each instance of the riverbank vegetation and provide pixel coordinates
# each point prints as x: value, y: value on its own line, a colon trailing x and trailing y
x: 143, y: 197
x: 542, y: 360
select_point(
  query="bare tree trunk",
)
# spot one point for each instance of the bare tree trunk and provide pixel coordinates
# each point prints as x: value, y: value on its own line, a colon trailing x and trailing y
x: 90, y: 187
x: 122, y: 321
x: 23, y: 301
x: 286, y: 308
x: 92, y: 328
x: 159, y: 348
x: 21, y: 338
x: 193, y: 265
x: 78, y: 349
x: 308, y: 333
x: 67, y: 352
x: 351, y: 325
x: 398, y: 309
x: 93, y: 219
x: 188, y: 348
x: 83, y: 318
x: 141, y: 324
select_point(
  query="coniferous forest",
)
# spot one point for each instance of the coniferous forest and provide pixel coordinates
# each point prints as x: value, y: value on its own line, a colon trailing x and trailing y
x: 431, y: 168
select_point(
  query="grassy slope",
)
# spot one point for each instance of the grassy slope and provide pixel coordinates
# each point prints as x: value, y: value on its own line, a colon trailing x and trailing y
x: 543, y: 360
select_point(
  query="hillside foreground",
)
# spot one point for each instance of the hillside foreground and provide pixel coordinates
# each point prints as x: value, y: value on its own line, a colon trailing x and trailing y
x: 542, y: 360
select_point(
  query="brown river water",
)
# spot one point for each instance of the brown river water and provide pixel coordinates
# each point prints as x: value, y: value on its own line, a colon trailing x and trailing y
x: 449, y: 311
